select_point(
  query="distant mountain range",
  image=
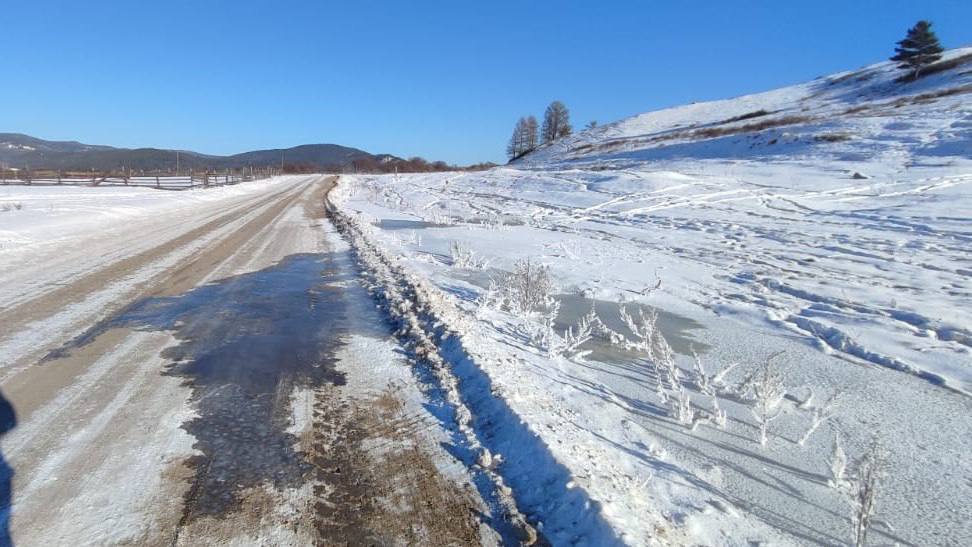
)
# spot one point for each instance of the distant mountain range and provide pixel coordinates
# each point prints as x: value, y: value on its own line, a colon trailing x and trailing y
x: 20, y: 151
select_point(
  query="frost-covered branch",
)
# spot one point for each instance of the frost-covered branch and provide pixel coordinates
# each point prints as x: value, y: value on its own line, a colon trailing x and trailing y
x: 719, y: 379
x: 682, y: 410
x: 863, y: 489
x: 487, y: 299
x: 643, y: 327
x: 819, y: 415
x: 837, y: 464
x: 767, y: 389
x: 464, y: 257
x: 577, y: 335
x: 664, y: 361
x: 702, y: 379
x: 528, y: 288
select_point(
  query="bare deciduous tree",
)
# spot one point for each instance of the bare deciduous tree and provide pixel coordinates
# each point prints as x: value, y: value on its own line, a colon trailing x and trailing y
x: 556, y: 122
x: 515, y: 148
x: 524, y: 138
x: 530, y: 134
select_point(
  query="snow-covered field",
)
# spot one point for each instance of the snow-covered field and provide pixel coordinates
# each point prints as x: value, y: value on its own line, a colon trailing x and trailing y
x: 48, y: 215
x: 822, y: 228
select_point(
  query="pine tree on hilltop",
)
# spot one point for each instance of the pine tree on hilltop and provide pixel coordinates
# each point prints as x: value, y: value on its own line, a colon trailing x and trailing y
x: 919, y: 49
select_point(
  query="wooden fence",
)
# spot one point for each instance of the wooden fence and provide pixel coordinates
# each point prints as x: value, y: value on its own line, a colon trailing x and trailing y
x: 162, y: 180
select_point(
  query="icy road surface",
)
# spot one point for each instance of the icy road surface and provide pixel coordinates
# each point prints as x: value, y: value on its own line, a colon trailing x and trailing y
x: 202, y: 367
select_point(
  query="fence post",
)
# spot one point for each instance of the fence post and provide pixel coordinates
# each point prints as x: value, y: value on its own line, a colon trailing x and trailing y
x: 28, y: 176
x: 59, y: 176
x: 157, y: 185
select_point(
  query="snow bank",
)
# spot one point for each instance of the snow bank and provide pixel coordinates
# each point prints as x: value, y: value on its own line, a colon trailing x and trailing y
x: 495, y: 441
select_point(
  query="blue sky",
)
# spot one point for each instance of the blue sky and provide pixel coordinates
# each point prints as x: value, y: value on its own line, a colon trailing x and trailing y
x: 445, y: 80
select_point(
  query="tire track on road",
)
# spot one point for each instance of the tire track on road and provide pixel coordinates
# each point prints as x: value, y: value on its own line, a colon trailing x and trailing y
x: 74, y: 291
x: 51, y: 312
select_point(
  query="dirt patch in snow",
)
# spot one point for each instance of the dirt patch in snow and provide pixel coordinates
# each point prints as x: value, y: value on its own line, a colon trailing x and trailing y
x: 376, y: 485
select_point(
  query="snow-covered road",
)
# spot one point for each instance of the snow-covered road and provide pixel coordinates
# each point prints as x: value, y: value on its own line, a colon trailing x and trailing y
x: 204, y: 367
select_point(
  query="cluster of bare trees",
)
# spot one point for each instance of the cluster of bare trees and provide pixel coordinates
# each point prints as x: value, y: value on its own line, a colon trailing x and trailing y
x: 524, y: 138
x: 556, y: 124
x: 396, y: 165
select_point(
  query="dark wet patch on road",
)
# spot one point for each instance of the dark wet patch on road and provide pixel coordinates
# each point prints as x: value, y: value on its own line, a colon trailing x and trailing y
x: 245, y: 343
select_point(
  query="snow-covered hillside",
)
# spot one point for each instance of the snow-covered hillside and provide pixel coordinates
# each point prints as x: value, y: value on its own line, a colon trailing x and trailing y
x: 864, y: 116
x: 824, y: 228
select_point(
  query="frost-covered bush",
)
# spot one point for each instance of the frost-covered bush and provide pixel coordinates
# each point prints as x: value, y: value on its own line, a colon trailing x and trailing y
x: 492, y: 222
x: 411, y: 238
x: 818, y: 415
x: 719, y: 416
x: 766, y: 388
x: 702, y: 378
x: 837, y: 464
x: 488, y: 299
x: 577, y: 335
x: 643, y: 327
x: 860, y: 489
x: 707, y: 385
x: 527, y: 291
x: 528, y: 288
x: 646, y: 337
x: 682, y: 411
x: 868, y: 474
x: 462, y: 256
x: 545, y: 337
x: 669, y: 375
x: 435, y: 217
